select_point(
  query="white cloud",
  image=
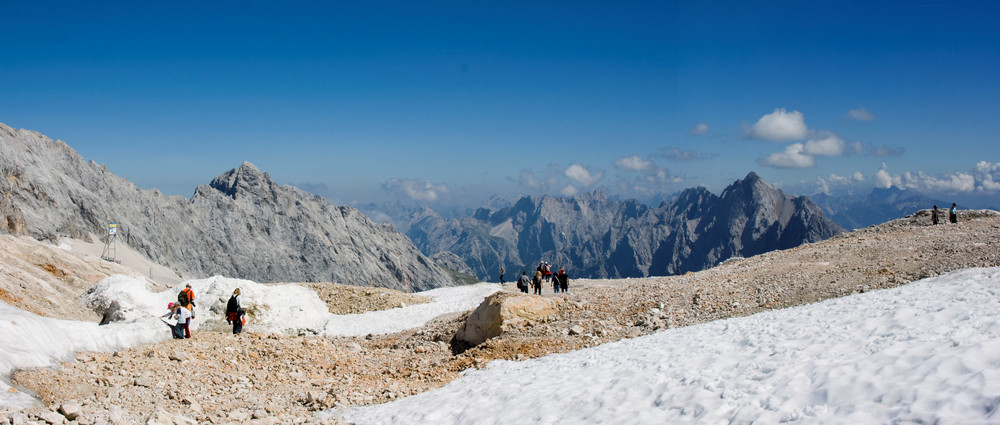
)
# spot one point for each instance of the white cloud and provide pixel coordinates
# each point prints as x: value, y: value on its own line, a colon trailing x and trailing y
x: 882, y: 178
x: 988, y: 176
x: 792, y: 157
x: 531, y: 180
x: 982, y: 178
x: 584, y: 176
x: 528, y: 179
x: 700, y: 129
x: 633, y: 163
x: 569, y: 190
x: 858, y: 177
x: 957, y: 182
x: 829, y: 145
x: 860, y: 114
x: 780, y: 126
x: 416, y: 190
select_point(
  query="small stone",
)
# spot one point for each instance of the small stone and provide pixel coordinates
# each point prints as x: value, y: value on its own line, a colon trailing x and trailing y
x: 576, y: 330
x: 70, y: 409
x: 52, y: 418
x: 239, y: 415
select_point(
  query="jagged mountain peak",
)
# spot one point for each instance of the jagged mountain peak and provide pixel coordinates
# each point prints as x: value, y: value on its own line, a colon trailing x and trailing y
x: 597, y: 237
x: 242, y: 224
x: 245, y: 179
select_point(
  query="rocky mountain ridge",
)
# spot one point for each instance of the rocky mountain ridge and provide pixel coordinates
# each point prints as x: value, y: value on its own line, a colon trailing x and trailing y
x: 596, y: 237
x: 241, y: 225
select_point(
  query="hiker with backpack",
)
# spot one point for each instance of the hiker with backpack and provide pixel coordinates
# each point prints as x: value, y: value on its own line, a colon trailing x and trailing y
x: 563, y: 280
x: 537, y: 283
x: 235, y: 313
x: 186, y: 299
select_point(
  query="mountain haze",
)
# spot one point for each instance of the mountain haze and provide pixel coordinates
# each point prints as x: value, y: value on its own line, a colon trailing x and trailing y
x: 241, y: 225
x: 596, y: 237
x: 879, y: 206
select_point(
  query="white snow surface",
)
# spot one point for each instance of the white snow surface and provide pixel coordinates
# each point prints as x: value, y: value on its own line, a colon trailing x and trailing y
x: 30, y: 340
x: 927, y: 352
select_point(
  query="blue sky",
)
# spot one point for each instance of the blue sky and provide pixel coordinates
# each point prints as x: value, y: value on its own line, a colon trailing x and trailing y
x: 451, y: 102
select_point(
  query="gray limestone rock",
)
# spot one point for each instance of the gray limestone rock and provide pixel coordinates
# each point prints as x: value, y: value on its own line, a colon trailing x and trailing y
x: 241, y: 225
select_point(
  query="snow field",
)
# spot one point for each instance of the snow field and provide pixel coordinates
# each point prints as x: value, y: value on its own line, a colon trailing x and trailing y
x: 926, y: 352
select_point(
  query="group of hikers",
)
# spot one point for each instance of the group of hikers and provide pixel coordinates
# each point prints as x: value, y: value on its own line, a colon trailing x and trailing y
x: 952, y: 214
x: 560, y: 281
x: 183, y: 312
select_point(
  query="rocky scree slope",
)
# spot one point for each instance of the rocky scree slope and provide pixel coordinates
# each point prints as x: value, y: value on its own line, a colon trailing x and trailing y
x: 264, y: 379
x: 241, y: 225
x: 596, y: 237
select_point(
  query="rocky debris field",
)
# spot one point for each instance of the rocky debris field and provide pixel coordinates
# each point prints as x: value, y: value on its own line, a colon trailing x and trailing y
x: 265, y: 378
x: 347, y: 299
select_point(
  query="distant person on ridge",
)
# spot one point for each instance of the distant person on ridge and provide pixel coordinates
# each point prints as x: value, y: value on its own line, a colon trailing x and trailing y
x: 501, y: 275
x: 563, y: 280
x: 234, y: 312
x: 934, y: 215
x: 953, y: 214
x: 537, y: 283
x: 523, y: 282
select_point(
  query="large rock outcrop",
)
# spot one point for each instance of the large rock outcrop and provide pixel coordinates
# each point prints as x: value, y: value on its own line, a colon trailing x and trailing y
x: 241, y: 225
x: 500, y: 312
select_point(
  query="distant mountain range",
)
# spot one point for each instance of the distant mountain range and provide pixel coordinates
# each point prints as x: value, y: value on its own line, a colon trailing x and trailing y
x: 595, y: 237
x: 240, y: 225
x: 244, y: 225
x: 879, y: 206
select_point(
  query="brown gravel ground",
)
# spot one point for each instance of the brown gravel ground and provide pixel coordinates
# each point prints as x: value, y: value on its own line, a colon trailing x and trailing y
x: 262, y: 378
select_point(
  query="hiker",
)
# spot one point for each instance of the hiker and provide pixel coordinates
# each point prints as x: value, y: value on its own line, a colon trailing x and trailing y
x: 547, y: 270
x: 555, y: 282
x: 934, y: 215
x: 181, y: 329
x: 234, y: 312
x: 501, y: 275
x: 523, y: 282
x: 186, y: 299
x: 537, y: 283
x: 953, y: 214
x: 563, y: 280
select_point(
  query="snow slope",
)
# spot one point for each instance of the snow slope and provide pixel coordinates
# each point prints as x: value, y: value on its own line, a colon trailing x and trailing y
x: 927, y: 352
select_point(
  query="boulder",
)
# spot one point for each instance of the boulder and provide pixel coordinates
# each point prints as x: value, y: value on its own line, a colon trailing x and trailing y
x: 502, y: 311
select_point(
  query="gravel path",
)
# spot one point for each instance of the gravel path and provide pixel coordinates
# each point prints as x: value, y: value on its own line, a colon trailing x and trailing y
x: 257, y: 378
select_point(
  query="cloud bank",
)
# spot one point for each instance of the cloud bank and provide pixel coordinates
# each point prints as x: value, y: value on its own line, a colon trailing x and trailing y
x: 416, y: 190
